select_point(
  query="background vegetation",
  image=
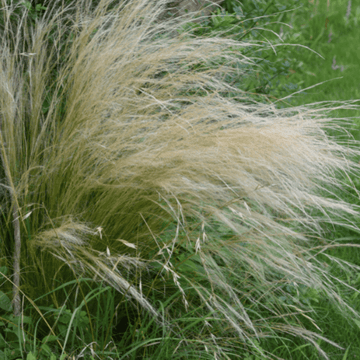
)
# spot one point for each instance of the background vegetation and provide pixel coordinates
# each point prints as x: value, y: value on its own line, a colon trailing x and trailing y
x: 136, y: 250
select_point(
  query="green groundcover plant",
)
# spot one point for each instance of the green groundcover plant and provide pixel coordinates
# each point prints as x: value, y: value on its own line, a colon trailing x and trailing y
x: 145, y: 213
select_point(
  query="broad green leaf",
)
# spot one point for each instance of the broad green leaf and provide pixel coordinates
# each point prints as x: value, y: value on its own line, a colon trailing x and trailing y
x: 49, y: 338
x: 30, y: 356
x: 5, y: 302
x: 26, y: 319
x: 3, y: 270
x: 46, y: 349
x: 357, y: 322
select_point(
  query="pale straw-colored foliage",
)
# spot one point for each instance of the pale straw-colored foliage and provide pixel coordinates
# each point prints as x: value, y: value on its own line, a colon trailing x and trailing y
x: 140, y: 153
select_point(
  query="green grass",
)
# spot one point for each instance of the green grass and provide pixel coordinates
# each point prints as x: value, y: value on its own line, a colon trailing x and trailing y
x: 332, y: 32
x: 164, y: 212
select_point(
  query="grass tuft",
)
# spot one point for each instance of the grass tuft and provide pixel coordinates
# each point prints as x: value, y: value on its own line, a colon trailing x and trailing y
x: 129, y: 164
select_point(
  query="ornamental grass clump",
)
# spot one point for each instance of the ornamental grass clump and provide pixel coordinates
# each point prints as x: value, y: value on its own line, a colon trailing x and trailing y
x: 125, y: 159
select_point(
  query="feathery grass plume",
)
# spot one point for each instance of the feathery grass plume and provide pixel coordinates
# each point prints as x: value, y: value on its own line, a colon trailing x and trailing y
x: 112, y: 122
